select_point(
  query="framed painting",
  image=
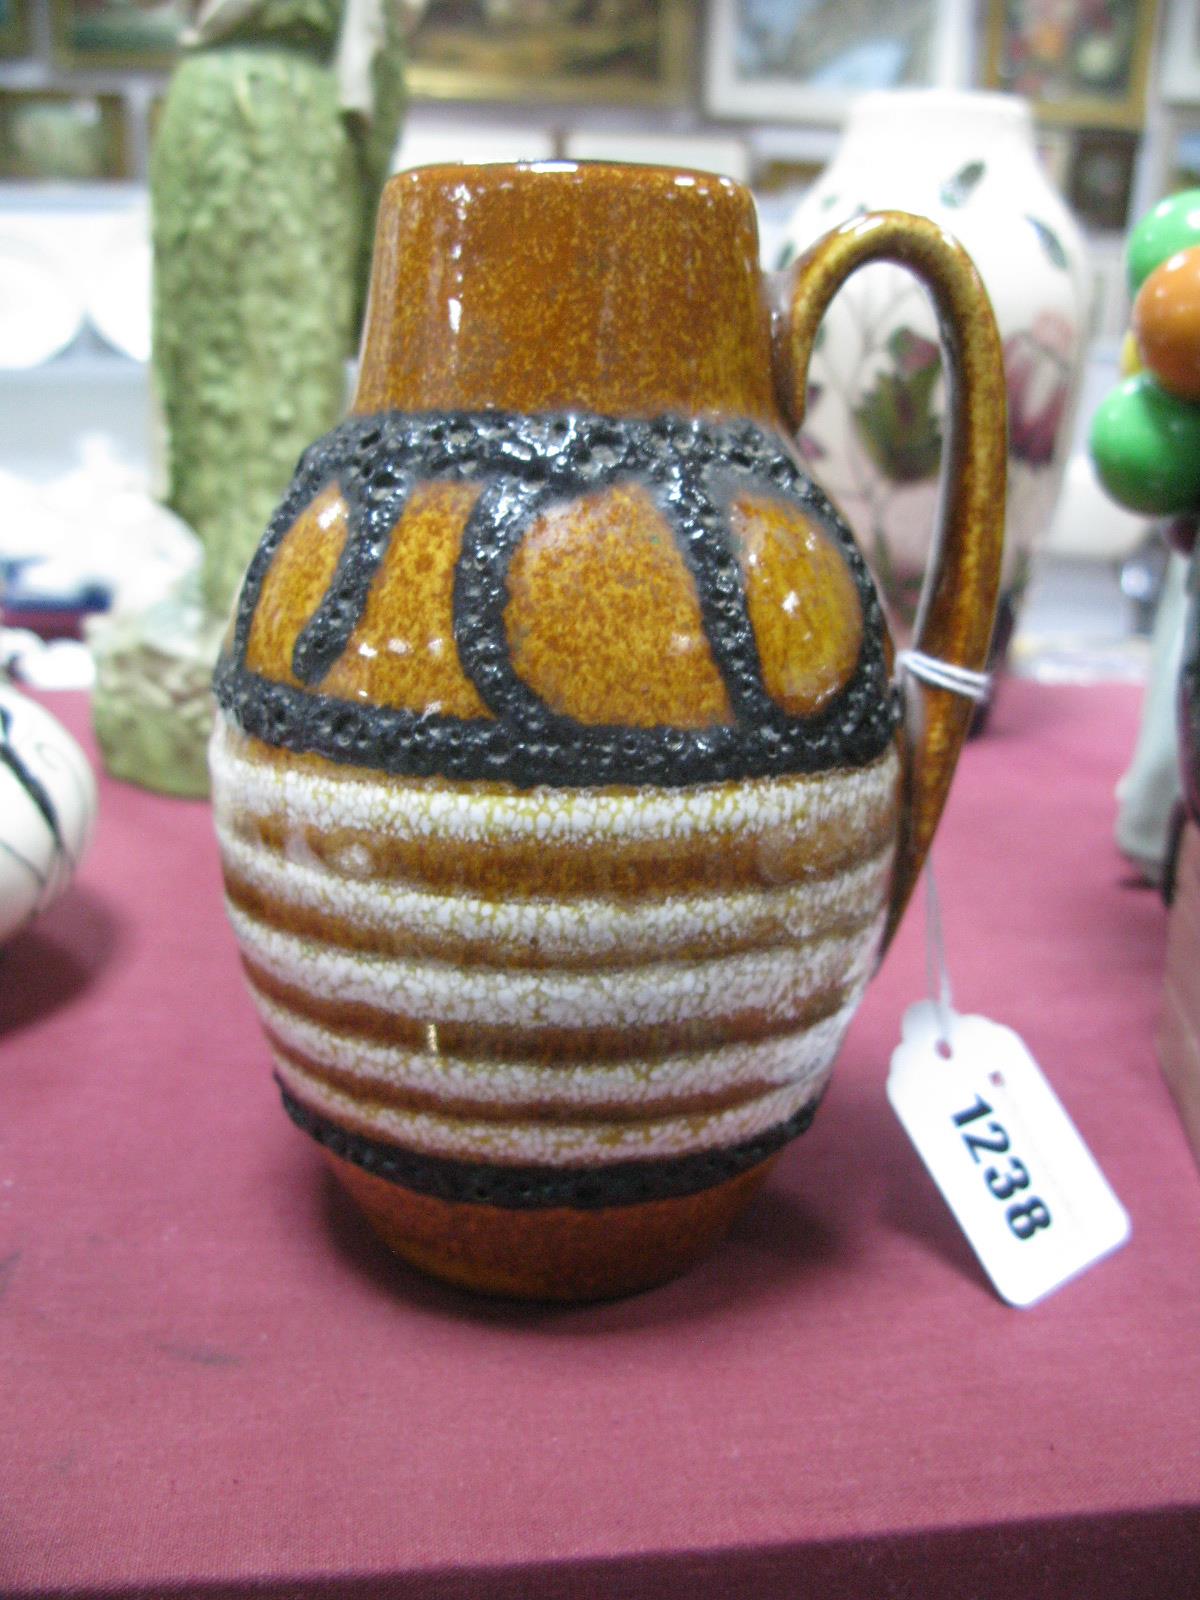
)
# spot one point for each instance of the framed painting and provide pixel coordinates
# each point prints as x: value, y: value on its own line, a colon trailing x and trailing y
x: 624, y: 52
x: 14, y: 29
x: 54, y: 135
x: 804, y: 60
x: 142, y: 34
x: 1079, y: 64
x: 1101, y: 178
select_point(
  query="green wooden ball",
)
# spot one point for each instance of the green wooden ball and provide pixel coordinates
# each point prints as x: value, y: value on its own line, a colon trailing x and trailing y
x: 1146, y: 446
x: 1173, y: 224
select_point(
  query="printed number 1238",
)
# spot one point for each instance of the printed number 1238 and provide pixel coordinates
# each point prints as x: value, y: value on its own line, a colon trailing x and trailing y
x: 1024, y: 1215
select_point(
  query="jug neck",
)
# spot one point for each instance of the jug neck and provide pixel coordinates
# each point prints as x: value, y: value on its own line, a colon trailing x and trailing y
x: 620, y: 290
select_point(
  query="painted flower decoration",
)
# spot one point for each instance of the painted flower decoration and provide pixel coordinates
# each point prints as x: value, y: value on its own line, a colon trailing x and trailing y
x: 897, y: 419
x: 810, y: 447
x: 1037, y: 374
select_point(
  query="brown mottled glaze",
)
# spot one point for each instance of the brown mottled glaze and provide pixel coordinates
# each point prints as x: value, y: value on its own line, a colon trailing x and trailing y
x: 626, y: 291
x: 586, y: 662
x: 804, y: 608
x: 559, y: 864
x: 299, y: 576
x: 562, y: 1254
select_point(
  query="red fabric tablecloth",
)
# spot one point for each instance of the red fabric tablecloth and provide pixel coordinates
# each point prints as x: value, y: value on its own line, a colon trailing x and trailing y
x: 213, y: 1382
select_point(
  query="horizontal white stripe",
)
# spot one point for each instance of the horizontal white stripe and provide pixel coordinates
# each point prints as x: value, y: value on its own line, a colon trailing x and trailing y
x: 561, y: 929
x: 798, y: 1059
x: 776, y: 982
x: 551, y: 1143
x: 862, y: 799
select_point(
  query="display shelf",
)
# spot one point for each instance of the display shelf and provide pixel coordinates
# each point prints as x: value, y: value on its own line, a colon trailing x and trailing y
x: 219, y: 1386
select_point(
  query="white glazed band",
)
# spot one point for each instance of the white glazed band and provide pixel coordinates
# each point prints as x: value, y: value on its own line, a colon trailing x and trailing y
x: 703, y: 1052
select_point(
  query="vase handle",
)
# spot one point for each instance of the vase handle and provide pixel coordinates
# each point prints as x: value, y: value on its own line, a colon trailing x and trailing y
x: 958, y: 598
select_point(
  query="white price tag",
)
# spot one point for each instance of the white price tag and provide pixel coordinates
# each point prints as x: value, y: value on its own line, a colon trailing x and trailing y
x: 1007, y: 1158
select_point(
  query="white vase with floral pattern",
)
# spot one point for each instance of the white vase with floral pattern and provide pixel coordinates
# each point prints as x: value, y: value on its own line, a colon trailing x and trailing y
x: 876, y: 411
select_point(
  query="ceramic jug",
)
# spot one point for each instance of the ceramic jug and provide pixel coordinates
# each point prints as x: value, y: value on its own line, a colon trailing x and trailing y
x: 565, y: 793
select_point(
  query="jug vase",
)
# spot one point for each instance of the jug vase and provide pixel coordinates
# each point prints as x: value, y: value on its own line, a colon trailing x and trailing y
x: 565, y: 791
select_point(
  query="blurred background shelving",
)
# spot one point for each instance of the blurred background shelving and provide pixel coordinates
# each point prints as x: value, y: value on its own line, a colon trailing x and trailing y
x: 77, y: 107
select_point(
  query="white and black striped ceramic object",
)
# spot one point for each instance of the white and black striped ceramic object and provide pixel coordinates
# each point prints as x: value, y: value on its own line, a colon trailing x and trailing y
x: 47, y: 809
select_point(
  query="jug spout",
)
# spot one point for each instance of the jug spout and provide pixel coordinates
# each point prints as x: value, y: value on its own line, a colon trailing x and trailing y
x: 567, y: 286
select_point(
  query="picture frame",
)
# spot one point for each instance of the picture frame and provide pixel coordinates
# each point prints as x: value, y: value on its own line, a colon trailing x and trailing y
x: 126, y: 34
x: 637, y: 53
x: 766, y: 62
x: 1100, y: 184
x: 15, y: 39
x: 1180, y: 81
x: 1082, y: 72
x: 54, y: 135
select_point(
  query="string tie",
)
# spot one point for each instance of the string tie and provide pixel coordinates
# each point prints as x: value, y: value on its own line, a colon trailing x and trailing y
x: 940, y: 674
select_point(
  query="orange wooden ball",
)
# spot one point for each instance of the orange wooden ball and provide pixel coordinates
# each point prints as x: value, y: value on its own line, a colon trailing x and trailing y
x: 1166, y: 322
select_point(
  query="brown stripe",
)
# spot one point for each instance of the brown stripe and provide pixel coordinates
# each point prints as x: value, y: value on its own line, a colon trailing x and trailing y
x: 356, y: 1118
x: 376, y: 1092
x: 620, y: 870
x: 543, y: 1046
x: 766, y: 931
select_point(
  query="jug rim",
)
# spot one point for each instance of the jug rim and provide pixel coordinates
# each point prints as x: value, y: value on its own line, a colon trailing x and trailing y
x: 567, y: 166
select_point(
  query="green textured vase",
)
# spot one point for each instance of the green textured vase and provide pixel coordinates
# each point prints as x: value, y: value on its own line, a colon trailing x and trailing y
x: 257, y: 225
x: 263, y: 189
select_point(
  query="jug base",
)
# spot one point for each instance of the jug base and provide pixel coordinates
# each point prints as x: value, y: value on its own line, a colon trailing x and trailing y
x: 553, y: 1254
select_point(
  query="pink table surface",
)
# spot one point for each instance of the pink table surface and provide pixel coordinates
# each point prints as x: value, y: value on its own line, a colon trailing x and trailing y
x: 213, y: 1382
